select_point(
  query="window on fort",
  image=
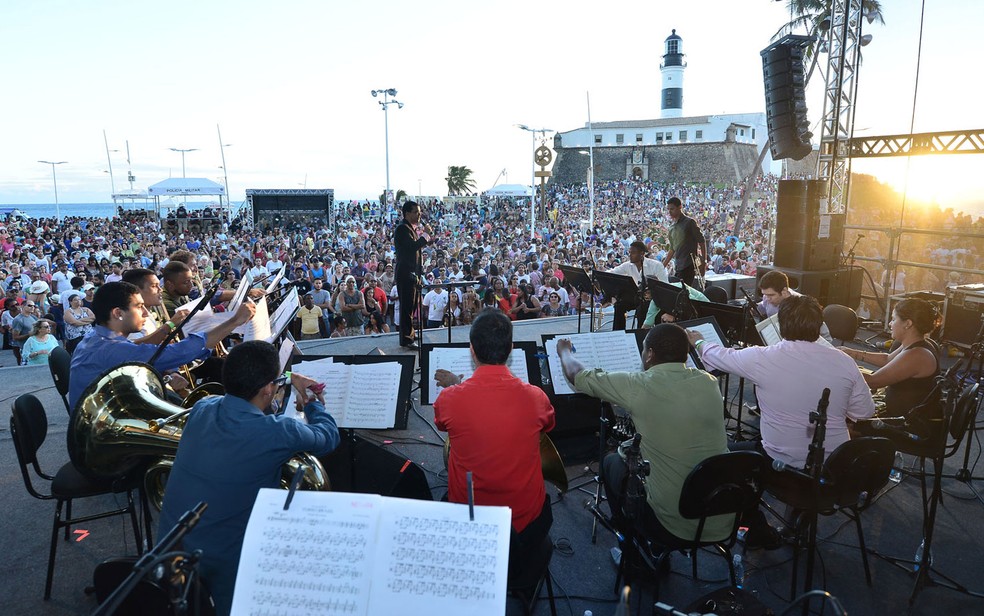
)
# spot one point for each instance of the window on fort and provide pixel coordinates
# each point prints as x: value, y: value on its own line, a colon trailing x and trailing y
x: 638, y: 137
x: 683, y: 135
x: 659, y: 138
x: 698, y: 134
x: 597, y: 139
x: 741, y: 132
x: 619, y: 138
x: 672, y: 46
x: 753, y: 133
x: 669, y: 136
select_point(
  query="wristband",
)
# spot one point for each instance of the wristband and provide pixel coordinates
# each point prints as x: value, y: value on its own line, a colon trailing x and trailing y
x: 288, y: 375
x: 698, y: 343
x: 171, y: 325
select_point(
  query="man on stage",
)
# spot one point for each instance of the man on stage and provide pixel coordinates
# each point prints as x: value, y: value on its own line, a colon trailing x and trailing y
x: 687, y: 244
x: 409, y: 269
x: 639, y: 266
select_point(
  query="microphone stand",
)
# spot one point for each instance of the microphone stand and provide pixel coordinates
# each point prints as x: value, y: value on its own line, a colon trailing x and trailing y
x: 150, y: 560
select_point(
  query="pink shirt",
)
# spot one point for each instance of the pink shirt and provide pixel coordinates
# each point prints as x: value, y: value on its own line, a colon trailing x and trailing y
x: 790, y: 378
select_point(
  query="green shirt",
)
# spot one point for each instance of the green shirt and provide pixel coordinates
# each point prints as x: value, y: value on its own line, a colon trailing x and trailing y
x: 677, y: 410
x: 654, y: 310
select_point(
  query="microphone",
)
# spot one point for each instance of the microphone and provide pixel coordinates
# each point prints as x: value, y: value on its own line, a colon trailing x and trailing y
x: 778, y: 466
x: 878, y: 424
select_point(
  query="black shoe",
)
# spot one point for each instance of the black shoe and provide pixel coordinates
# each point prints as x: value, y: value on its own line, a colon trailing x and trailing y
x: 763, y: 538
x: 413, y: 346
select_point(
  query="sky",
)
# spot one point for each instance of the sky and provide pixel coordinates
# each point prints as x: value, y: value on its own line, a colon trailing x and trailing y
x: 289, y: 85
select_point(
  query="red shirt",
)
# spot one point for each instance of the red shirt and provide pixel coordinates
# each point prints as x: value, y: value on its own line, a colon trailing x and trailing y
x: 494, y: 422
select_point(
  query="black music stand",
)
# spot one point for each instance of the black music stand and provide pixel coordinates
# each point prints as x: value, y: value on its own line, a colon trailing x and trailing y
x: 671, y: 298
x: 450, y: 286
x: 578, y: 279
x: 730, y: 319
x: 534, y: 375
x: 621, y: 288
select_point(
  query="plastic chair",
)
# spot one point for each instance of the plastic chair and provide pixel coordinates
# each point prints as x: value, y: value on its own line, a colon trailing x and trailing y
x: 850, y: 478
x: 718, y: 295
x: 842, y: 322
x: 60, y: 364
x: 725, y: 484
x: 29, y: 427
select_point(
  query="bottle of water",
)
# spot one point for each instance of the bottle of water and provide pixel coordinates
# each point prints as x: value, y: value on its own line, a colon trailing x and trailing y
x: 895, y: 475
x: 919, y: 556
x: 739, y: 567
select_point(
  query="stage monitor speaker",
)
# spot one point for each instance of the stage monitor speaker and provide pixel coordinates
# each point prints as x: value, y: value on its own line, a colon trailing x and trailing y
x: 376, y: 471
x: 806, y: 239
x: 835, y: 286
x: 785, y: 98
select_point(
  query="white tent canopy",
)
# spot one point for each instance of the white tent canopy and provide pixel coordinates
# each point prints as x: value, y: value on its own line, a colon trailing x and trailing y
x: 186, y: 186
x: 509, y: 190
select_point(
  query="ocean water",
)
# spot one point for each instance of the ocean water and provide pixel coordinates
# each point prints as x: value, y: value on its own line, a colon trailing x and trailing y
x: 89, y: 210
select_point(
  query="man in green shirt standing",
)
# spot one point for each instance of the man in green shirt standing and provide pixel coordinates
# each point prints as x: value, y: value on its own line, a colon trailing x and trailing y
x: 677, y: 410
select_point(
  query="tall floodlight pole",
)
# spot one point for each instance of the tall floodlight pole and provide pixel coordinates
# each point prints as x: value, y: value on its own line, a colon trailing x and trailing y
x: 385, y: 103
x: 109, y: 161
x: 54, y: 180
x: 590, y: 169
x: 225, y: 172
x: 183, y: 152
x: 533, y: 132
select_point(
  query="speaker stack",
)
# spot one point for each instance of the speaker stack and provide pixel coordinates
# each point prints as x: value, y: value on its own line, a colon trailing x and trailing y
x: 805, y: 238
x: 785, y: 98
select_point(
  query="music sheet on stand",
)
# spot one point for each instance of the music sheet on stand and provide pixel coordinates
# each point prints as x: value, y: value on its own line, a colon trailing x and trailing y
x: 282, y: 316
x: 341, y: 553
x: 615, y: 351
x: 275, y: 282
x: 244, y: 286
x: 458, y: 360
x: 347, y: 393
x: 768, y: 330
x: 257, y: 328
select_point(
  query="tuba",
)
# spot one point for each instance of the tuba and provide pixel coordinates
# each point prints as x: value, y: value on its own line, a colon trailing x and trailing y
x: 122, y: 422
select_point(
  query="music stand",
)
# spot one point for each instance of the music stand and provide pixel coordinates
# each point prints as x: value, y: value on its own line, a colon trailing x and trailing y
x: 450, y: 286
x: 730, y: 319
x: 528, y: 348
x: 666, y: 294
x: 621, y: 288
x: 578, y: 279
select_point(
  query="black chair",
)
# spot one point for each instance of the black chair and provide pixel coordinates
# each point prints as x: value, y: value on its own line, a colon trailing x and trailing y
x: 849, y: 480
x: 842, y: 322
x: 718, y: 295
x: 725, y: 484
x: 29, y: 427
x: 525, y: 583
x: 60, y: 364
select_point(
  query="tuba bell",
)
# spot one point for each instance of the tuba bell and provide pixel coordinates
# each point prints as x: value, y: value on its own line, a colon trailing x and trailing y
x: 123, y: 423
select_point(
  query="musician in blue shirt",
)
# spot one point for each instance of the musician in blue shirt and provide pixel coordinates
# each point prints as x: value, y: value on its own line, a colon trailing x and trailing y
x: 229, y: 449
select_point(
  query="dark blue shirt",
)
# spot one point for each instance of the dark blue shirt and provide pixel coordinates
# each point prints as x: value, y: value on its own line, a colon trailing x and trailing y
x: 103, y: 349
x: 229, y: 450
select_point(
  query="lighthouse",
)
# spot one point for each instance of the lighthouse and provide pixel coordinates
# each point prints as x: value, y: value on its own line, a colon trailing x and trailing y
x: 671, y: 70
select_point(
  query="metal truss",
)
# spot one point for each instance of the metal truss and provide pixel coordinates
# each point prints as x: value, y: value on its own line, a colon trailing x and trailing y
x: 843, y: 46
x: 947, y: 142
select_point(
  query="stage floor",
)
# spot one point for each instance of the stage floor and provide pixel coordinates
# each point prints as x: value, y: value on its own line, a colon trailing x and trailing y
x: 583, y: 570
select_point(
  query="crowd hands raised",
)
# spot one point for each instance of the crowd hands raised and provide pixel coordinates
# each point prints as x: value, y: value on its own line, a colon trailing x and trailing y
x: 46, y: 263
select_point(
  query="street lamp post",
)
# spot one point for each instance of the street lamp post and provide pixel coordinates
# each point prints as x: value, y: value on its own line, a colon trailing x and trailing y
x: 54, y: 180
x: 533, y: 132
x: 225, y: 172
x: 183, y: 151
x: 385, y: 103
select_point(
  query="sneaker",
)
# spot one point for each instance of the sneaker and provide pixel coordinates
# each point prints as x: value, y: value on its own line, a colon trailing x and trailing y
x: 763, y: 538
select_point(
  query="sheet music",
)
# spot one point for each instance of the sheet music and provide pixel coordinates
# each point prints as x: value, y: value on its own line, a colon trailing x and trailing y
x: 615, y: 351
x: 708, y: 332
x: 433, y: 560
x: 204, y: 320
x: 768, y: 329
x: 244, y: 286
x: 458, y: 360
x: 257, y: 328
x: 358, y: 395
x: 276, y: 281
x: 343, y: 553
x: 286, y: 351
x: 313, y: 558
x: 284, y: 313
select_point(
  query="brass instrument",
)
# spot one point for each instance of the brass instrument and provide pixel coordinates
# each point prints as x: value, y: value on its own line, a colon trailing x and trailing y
x: 551, y: 464
x: 123, y: 421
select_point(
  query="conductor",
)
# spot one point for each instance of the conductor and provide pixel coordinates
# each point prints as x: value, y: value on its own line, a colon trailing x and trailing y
x: 409, y: 269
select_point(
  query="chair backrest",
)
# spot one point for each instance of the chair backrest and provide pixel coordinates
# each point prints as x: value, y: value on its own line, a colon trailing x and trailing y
x: 841, y: 321
x: 856, y: 471
x: 964, y: 412
x: 721, y: 484
x: 60, y: 363
x: 28, y: 427
x: 716, y: 294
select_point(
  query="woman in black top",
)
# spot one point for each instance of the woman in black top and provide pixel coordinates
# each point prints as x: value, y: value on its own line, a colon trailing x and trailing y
x: 525, y: 305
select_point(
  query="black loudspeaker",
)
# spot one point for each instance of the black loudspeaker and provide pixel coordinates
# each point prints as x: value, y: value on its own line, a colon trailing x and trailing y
x: 376, y: 470
x: 785, y: 98
x: 836, y: 286
x: 805, y: 238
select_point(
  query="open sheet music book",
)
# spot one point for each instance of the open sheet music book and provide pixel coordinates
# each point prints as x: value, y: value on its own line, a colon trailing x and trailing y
x: 458, y: 360
x: 357, y: 395
x: 341, y: 553
x: 768, y: 329
x: 615, y: 351
x: 281, y: 318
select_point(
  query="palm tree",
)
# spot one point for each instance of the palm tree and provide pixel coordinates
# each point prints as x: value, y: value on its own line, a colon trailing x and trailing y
x: 814, y: 15
x: 459, y: 180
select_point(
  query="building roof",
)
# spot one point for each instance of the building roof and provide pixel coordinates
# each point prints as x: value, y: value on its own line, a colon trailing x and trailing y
x: 655, y: 123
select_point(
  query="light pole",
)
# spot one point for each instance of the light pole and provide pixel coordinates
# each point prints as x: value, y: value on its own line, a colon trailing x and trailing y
x: 385, y: 103
x: 183, y: 151
x: 533, y: 132
x: 225, y: 172
x: 54, y: 179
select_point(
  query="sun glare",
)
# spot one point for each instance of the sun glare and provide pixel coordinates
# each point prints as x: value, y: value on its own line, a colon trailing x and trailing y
x: 953, y: 181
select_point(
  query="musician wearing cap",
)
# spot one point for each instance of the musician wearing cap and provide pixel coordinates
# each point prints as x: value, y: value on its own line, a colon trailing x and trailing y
x: 494, y: 422
x: 639, y: 267
x: 120, y: 311
x: 230, y: 448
